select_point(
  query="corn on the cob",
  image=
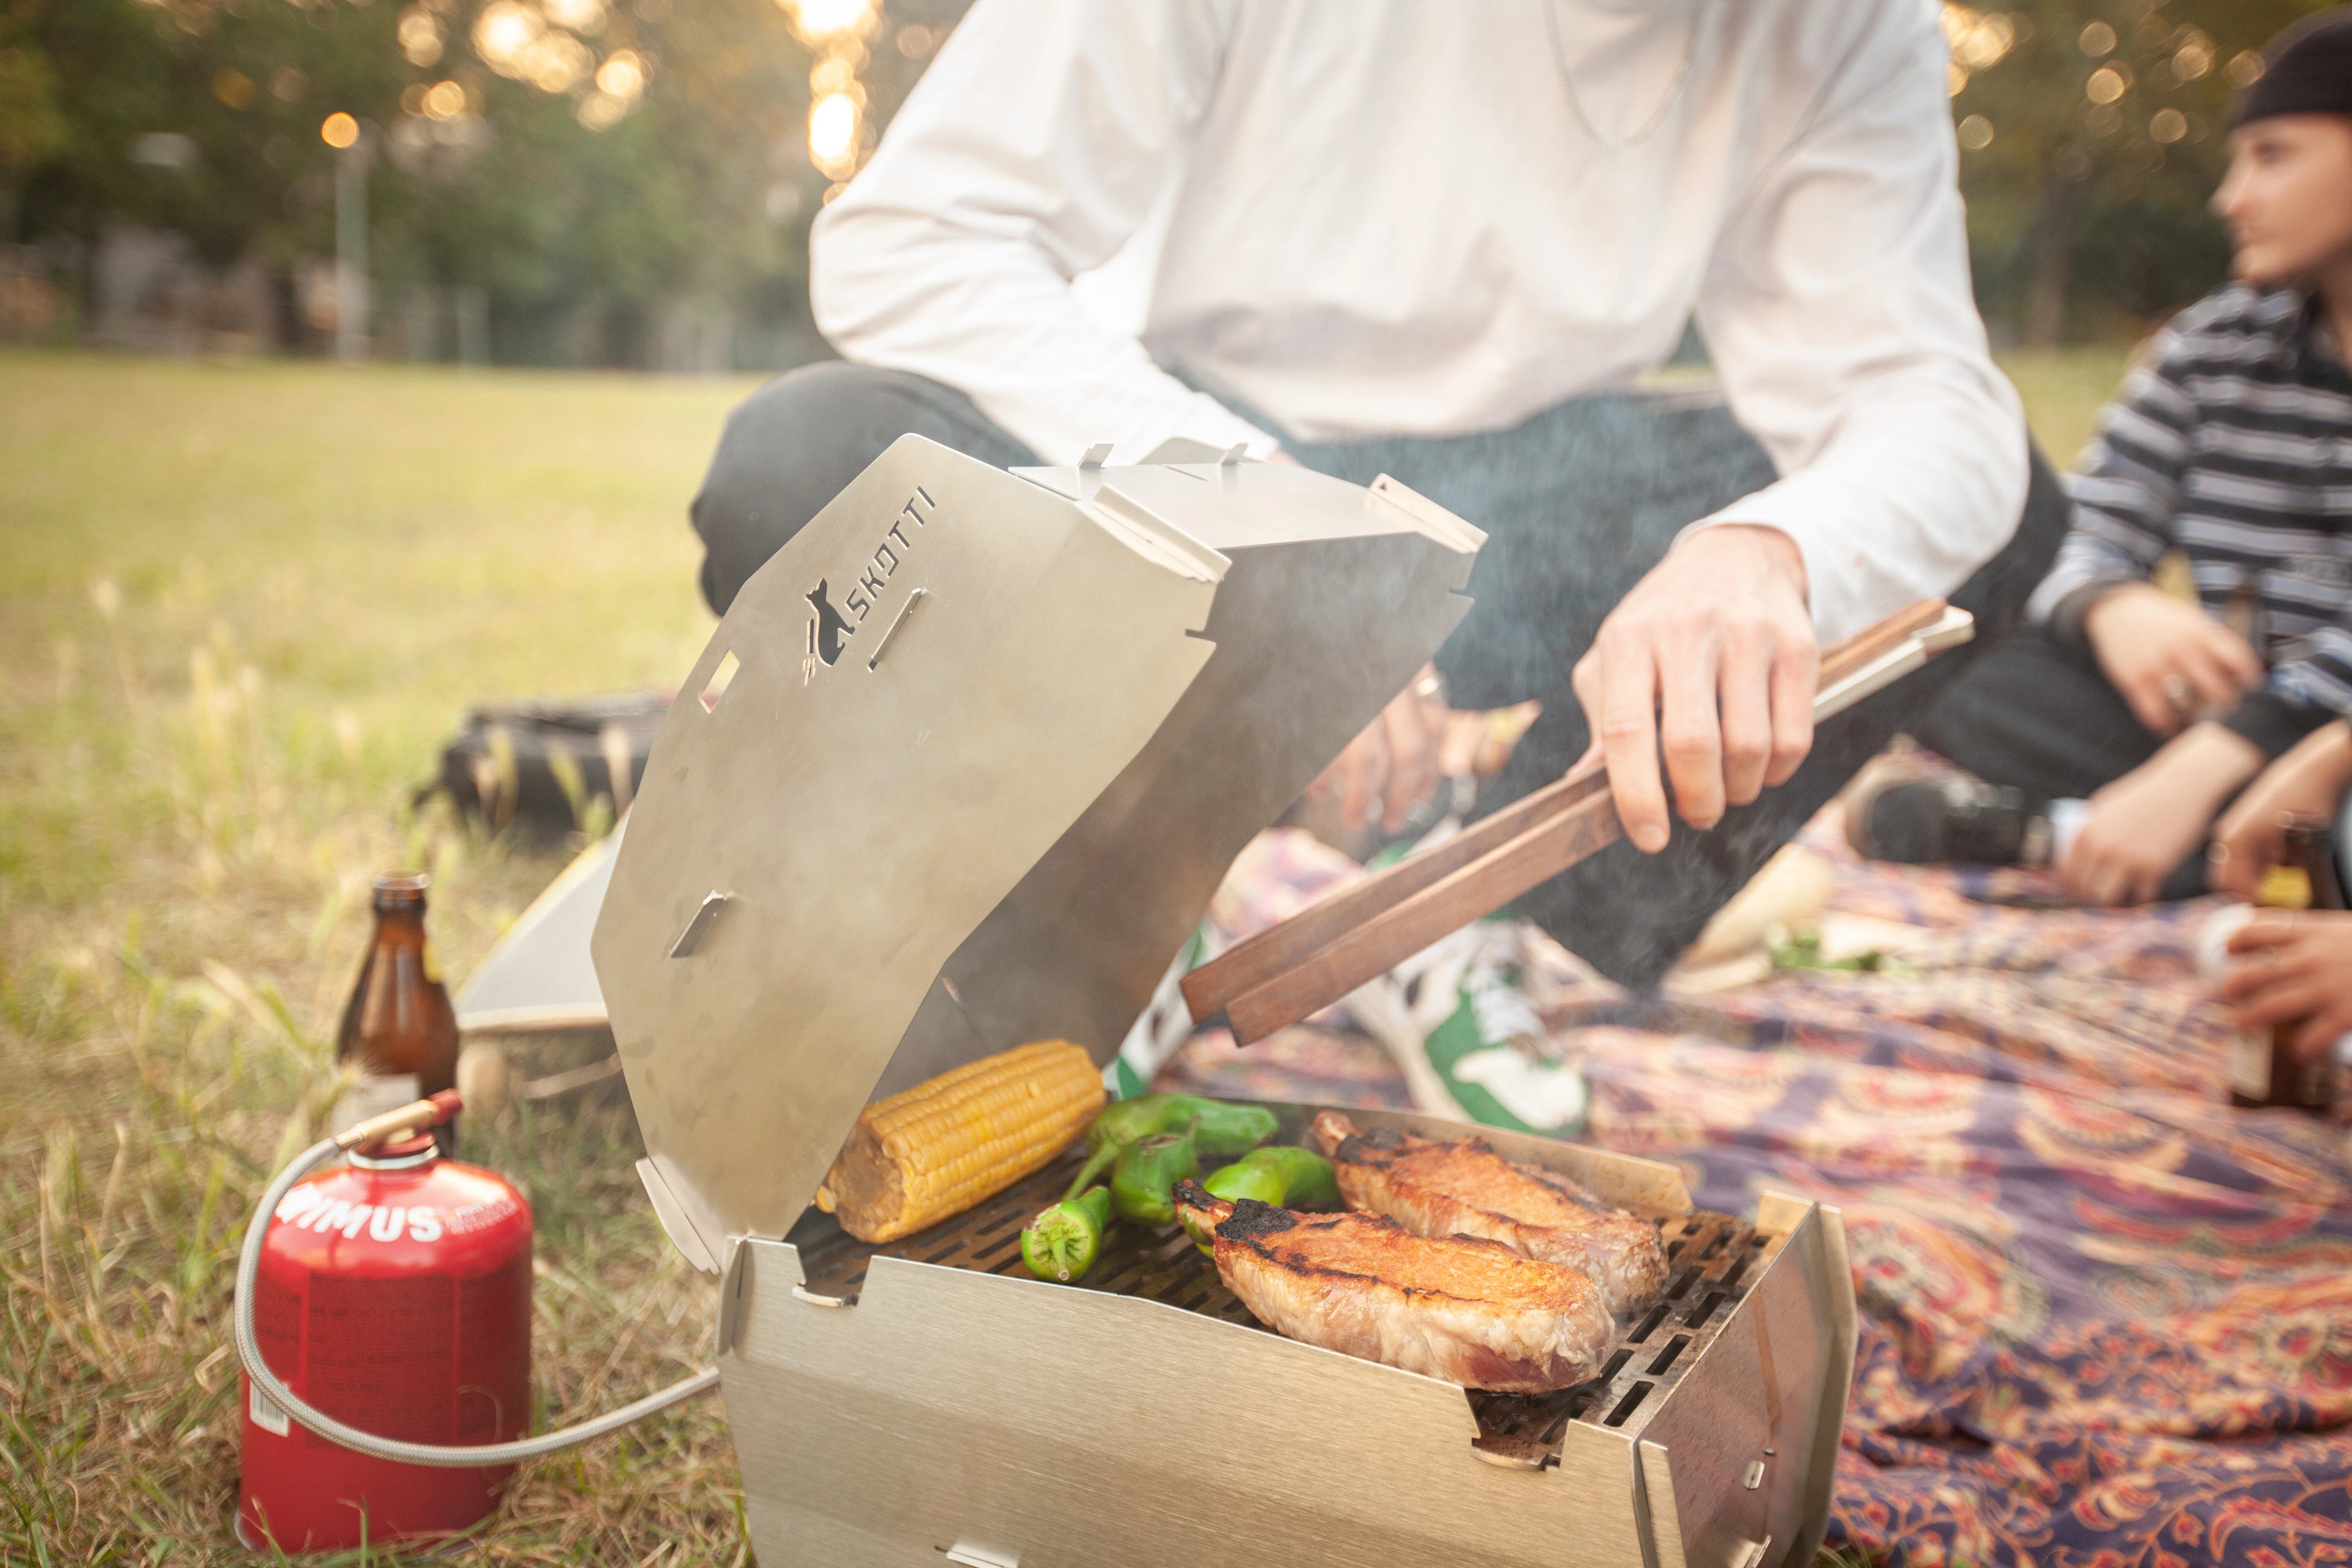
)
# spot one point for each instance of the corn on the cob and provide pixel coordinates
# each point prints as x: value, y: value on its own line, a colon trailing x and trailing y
x: 939, y: 1148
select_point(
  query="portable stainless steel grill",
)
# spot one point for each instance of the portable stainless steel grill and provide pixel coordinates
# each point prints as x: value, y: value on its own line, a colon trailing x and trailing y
x: 991, y: 740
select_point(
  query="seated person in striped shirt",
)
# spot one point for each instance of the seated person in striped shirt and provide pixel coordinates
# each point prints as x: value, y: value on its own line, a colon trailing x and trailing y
x: 2105, y: 737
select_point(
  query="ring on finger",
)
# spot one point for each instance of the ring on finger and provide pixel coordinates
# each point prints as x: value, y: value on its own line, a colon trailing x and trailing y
x: 2176, y: 692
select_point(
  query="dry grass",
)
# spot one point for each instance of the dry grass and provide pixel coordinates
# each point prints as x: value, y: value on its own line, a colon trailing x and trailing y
x: 239, y: 605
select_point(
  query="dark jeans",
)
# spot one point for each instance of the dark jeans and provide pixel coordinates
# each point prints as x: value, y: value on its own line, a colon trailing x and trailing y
x: 1578, y: 503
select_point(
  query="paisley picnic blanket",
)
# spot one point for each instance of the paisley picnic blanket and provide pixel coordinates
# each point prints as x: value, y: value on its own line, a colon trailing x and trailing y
x: 2106, y: 1319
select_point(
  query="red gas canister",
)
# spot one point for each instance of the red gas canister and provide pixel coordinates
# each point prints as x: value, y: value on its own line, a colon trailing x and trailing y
x: 394, y: 1294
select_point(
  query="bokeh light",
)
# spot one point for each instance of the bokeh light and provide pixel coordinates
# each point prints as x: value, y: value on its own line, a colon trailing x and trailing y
x: 1976, y: 133
x: 420, y: 35
x: 1977, y: 40
x: 2194, y: 57
x: 2105, y: 85
x: 833, y: 132
x: 824, y: 21
x: 504, y: 33
x: 2097, y: 39
x: 338, y: 131
x: 621, y: 75
x: 580, y: 15
x: 444, y: 101
x: 556, y: 61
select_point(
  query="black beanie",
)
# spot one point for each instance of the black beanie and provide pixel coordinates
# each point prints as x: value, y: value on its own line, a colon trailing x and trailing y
x: 2307, y: 69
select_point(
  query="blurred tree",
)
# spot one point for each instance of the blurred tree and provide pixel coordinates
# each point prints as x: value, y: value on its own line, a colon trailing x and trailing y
x: 31, y: 127
x: 592, y: 164
x: 586, y: 162
x: 2092, y: 134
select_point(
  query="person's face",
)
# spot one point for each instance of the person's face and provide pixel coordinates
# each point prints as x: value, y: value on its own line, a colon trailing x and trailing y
x: 2288, y: 198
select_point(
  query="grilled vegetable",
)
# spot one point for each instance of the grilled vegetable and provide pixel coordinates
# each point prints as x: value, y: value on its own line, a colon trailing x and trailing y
x: 1061, y: 1243
x: 1246, y: 1180
x: 1301, y: 1178
x: 1284, y: 1177
x: 1225, y: 1129
x: 1143, y: 1180
x: 939, y: 1148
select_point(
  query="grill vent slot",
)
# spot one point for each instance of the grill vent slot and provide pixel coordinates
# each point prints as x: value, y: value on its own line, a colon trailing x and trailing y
x: 1631, y: 1402
x: 1705, y: 1309
x: 1648, y: 1325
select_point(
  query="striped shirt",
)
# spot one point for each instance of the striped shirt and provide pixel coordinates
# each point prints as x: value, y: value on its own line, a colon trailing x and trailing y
x: 2230, y: 442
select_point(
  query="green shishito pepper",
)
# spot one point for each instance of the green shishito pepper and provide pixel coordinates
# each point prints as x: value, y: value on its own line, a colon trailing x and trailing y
x: 1284, y: 1177
x: 1224, y: 1129
x: 1299, y: 1178
x: 1143, y: 1178
x: 1062, y: 1242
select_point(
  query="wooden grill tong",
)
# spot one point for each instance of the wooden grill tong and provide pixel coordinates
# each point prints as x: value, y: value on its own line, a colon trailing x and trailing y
x: 1301, y: 966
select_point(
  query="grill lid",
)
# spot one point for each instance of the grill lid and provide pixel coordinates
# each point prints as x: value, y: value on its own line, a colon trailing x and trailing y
x: 989, y: 743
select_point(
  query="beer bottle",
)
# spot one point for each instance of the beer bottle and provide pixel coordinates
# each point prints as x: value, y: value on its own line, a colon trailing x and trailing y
x: 2265, y: 1069
x: 399, y: 1030
x: 2309, y: 854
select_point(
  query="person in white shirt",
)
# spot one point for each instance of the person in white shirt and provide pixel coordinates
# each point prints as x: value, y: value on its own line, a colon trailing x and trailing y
x: 1444, y: 242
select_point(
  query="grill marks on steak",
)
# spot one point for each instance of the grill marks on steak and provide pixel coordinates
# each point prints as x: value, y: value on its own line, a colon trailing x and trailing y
x: 1469, y: 1310
x: 1435, y: 1188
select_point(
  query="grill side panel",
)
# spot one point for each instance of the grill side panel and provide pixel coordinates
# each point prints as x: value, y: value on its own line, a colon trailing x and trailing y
x: 1073, y: 1428
x: 1742, y: 1457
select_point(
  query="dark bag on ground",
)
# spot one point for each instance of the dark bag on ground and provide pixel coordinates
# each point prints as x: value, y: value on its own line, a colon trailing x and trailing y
x: 548, y: 768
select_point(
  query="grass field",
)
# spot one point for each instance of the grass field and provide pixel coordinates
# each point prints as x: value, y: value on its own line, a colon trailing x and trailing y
x: 239, y: 604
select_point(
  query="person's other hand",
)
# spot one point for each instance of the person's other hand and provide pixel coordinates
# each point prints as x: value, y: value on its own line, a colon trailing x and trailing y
x: 2172, y: 662
x: 2154, y: 817
x: 2289, y: 965
x: 2308, y: 781
x: 1393, y: 763
x: 1711, y: 658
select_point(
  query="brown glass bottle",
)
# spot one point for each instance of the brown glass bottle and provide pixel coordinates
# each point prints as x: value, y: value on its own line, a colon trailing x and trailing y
x: 398, y: 1029
x: 2266, y: 1070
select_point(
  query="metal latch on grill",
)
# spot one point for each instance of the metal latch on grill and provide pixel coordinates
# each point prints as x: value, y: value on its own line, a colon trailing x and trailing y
x: 977, y: 1556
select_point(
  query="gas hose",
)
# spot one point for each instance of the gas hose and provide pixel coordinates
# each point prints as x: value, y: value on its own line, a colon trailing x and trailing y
x: 408, y: 1119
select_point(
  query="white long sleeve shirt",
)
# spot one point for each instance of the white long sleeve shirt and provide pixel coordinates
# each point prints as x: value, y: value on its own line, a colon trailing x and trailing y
x: 1381, y: 218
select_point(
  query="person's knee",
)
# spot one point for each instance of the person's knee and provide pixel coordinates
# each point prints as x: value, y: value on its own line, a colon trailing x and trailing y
x: 797, y: 442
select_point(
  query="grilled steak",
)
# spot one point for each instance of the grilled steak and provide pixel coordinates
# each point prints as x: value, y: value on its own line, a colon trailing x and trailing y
x: 1465, y: 1188
x: 1457, y: 1307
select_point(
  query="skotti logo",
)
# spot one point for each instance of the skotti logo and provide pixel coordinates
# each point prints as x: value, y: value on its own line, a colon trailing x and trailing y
x: 831, y: 626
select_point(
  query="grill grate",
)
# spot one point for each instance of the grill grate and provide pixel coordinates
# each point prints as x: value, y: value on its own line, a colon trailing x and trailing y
x: 1710, y: 1256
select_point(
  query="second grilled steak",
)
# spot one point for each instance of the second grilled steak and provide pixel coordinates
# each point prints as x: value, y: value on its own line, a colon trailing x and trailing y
x: 1458, y: 1308
x: 1465, y: 1188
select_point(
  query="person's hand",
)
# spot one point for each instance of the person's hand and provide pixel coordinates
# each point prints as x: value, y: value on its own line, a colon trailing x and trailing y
x: 1712, y: 659
x: 2154, y: 817
x: 2309, y: 781
x: 1393, y: 763
x: 2173, y: 663
x: 2289, y: 965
